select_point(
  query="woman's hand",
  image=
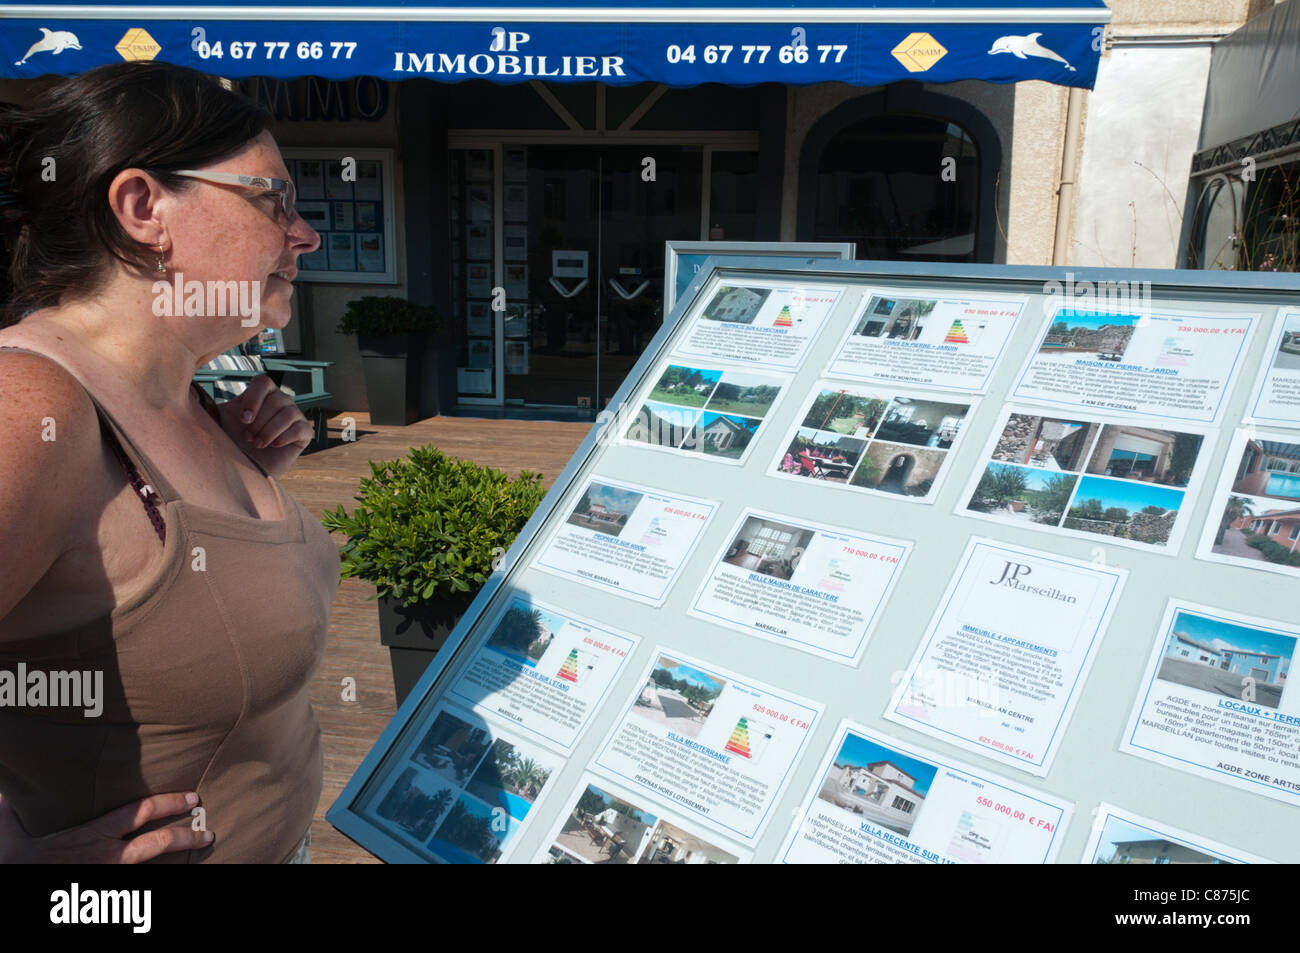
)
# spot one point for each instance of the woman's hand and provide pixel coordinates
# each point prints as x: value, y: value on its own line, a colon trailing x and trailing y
x: 265, y: 421
x: 104, y: 840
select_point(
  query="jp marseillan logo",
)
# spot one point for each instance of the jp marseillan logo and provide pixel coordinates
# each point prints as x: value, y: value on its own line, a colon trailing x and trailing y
x: 918, y: 52
x: 137, y: 44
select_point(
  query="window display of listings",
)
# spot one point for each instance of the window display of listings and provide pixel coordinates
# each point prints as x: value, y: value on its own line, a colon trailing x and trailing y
x: 1254, y: 520
x: 1112, y: 480
x: 1174, y: 365
x: 875, y: 800
x: 874, y: 440
x: 1214, y: 700
x: 757, y: 323
x: 1276, y: 401
x: 927, y: 339
x: 711, y: 412
x: 463, y: 789
x: 602, y: 824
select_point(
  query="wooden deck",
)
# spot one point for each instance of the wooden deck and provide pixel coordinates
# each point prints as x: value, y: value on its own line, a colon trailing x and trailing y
x: 324, y: 479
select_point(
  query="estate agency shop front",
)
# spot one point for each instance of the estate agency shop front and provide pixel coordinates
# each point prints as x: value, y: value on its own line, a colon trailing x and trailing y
x: 522, y: 168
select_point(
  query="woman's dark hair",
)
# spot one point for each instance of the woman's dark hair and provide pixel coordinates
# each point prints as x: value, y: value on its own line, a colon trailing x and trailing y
x: 58, y: 156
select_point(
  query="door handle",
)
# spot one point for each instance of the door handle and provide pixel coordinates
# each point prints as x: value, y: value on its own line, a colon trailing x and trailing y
x: 565, y: 293
x: 624, y: 294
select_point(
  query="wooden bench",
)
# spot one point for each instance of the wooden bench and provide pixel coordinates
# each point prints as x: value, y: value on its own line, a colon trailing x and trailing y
x: 226, y: 376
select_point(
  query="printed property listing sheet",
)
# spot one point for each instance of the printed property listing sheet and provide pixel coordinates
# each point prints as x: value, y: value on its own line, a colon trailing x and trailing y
x: 817, y: 588
x: 1121, y: 837
x: 1215, y: 700
x: 758, y: 322
x: 1254, y: 519
x: 927, y: 338
x: 1276, y: 401
x: 1171, y: 365
x: 631, y: 539
x: 544, y: 669
x: 463, y: 789
x: 1111, y: 480
x: 715, y: 747
x: 873, y: 439
x: 604, y: 824
x: 1000, y: 666
x: 709, y: 412
x: 875, y: 800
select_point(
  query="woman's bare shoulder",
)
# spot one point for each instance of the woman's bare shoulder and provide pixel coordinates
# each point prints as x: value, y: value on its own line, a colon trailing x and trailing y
x: 50, y: 465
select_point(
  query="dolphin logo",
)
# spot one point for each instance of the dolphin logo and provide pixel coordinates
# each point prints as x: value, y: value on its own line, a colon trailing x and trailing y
x: 1024, y: 46
x: 53, y: 41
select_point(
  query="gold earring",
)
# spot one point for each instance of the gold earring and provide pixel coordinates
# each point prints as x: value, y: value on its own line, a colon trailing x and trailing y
x: 162, y: 267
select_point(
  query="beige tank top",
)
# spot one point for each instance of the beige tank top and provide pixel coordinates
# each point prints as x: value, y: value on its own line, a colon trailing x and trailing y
x: 205, y: 683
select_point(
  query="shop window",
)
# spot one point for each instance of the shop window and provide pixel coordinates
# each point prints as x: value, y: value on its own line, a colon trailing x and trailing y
x: 903, y: 187
x: 1270, y: 231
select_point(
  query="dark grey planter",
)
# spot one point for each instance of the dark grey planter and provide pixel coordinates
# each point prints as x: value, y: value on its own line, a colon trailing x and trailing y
x: 414, y: 634
x: 393, y: 364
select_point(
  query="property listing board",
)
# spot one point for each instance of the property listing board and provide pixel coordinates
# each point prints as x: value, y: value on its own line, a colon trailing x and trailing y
x: 862, y: 567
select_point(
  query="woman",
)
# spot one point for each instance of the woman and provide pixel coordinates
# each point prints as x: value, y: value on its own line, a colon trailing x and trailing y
x: 146, y: 541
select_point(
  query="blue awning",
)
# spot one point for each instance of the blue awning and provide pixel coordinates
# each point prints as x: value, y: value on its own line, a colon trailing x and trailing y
x: 675, y: 42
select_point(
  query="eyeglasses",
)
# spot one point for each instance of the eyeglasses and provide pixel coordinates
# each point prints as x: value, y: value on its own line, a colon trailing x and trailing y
x: 284, y: 188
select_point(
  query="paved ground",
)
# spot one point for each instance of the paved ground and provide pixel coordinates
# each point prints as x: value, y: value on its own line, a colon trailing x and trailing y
x: 1234, y: 544
x: 673, y: 713
x: 1196, y: 675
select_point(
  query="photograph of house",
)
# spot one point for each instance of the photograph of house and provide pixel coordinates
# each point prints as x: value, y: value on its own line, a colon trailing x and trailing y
x: 670, y: 844
x: 1269, y: 468
x: 721, y: 435
x: 662, y: 425
x: 604, y: 509
x: 1023, y: 494
x: 896, y: 468
x: 736, y: 305
x: 1143, y: 453
x: 1136, y: 511
x: 1288, y: 351
x: 1217, y: 656
x: 854, y: 414
x: 451, y: 748
x: 750, y: 395
x: 923, y: 423
x: 768, y: 547
x: 884, y: 786
x: 413, y: 805
x: 687, y: 386
x: 679, y: 697
x: 603, y: 829
x: 524, y: 633
x: 473, y: 833
x: 894, y: 318
x: 821, y: 456
x: 1048, y: 443
x: 1125, y: 843
x: 509, y: 779
x: 1271, y: 535
x: 1073, y: 334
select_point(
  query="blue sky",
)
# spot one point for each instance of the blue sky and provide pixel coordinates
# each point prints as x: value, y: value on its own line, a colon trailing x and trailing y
x: 859, y: 751
x: 1035, y: 479
x: 707, y: 376
x: 1092, y: 319
x: 709, y: 417
x: 692, y: 676
x: 1223, y: 634
x: 549, y: 619
x: 1131, y: 496
x: 620, y: 501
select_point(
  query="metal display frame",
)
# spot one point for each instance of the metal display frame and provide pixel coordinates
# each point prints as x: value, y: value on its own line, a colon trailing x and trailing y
x: 742, y: 251
x: 1089, y: 770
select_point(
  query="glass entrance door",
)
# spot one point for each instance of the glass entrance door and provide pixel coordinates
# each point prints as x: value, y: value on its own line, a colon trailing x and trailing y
x: 583, y: 235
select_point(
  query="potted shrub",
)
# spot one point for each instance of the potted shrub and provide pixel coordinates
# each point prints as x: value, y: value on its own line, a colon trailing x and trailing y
x: 392, y: 334
x: 427, y: 533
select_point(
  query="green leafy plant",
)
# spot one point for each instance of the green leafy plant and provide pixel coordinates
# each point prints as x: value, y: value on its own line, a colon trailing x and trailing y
x: 374, y: 316
x: 432, y: 526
